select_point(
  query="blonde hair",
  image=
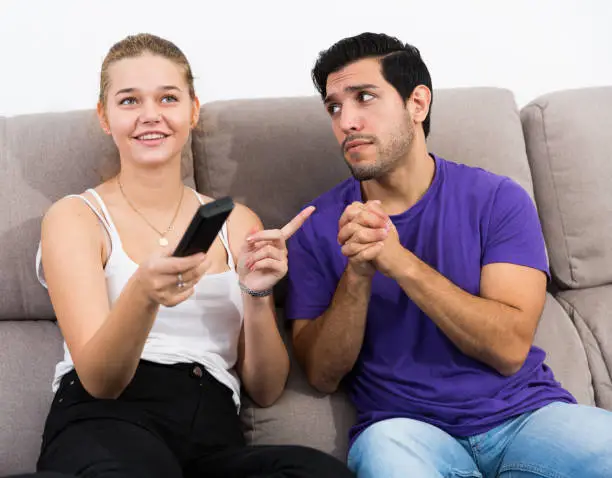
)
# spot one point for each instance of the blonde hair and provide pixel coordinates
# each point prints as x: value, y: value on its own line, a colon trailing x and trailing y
x: 136, y: 45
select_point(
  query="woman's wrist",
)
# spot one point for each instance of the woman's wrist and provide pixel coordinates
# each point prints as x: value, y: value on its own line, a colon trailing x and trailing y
x: 138, y: 288
x: 256, y: 293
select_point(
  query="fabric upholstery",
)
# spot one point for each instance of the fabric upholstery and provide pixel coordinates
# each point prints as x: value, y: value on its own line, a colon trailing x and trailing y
x: 591, y: 312
x: 30, y: 349
x: 570, y: 152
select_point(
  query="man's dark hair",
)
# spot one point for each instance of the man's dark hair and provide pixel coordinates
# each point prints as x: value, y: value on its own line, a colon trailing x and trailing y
x: 401, y: 64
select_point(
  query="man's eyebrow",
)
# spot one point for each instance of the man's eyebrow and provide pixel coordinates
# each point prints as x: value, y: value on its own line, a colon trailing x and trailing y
x: 352, y: 89
x: 132, y: 90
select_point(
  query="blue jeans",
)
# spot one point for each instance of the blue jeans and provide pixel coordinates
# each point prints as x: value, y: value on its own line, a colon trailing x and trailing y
x: 559, y: 440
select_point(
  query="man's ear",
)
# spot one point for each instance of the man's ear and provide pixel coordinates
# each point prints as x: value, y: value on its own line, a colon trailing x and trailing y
x: 195, y: 112
x: 102, y: 118
x: 419, y: 103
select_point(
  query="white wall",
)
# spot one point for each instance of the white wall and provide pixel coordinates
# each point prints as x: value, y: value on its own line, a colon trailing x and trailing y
x: 51, y: 51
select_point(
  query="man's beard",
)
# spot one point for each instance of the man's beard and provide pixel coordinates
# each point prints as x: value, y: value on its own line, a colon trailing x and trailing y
x: 388, y: 157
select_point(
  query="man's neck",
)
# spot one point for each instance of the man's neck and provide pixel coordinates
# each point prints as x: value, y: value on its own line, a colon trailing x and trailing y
x: 402, y: 188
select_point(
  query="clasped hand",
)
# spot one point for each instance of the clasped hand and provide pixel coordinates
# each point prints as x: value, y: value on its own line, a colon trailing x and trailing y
x: 368, y: 238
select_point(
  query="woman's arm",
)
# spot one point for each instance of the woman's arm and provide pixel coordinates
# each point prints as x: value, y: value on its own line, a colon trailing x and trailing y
x: 105, y: 343
x: 263, y: 363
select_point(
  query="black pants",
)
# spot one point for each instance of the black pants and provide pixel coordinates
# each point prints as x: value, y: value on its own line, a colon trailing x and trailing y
x: 171, y: 421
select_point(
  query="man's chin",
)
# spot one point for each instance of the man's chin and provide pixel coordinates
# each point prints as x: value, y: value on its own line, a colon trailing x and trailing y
x: 363, y: 174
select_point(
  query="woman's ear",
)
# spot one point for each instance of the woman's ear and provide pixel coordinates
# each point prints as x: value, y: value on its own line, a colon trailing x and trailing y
x: 102, y: 118
x: 195, y: 112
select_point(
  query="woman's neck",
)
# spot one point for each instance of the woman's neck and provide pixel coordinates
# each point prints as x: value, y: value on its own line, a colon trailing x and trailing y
x: 154, y: 188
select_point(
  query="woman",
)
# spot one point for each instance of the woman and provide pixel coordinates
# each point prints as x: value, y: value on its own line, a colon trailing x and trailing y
x: 156, y: 346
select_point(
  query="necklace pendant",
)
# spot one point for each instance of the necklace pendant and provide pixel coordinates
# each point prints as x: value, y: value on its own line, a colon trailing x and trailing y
x: 163, y: 241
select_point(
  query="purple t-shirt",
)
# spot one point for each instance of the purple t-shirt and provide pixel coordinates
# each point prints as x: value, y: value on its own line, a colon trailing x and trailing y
x: 407, y: 367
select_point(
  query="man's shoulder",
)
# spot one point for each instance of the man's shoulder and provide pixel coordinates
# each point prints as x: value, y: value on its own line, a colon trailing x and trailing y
x: 476, y: 184
x: 468, y: 177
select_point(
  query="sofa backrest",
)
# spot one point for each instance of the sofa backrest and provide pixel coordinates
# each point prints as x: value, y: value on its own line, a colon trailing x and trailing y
x: 277, y: 154
x: 273, y: 155
x: 44, y: 157
x: 570, y: 150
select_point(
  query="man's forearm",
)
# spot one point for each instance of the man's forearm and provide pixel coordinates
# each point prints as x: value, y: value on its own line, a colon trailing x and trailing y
x: 483, y: 329
x: 329, y: 346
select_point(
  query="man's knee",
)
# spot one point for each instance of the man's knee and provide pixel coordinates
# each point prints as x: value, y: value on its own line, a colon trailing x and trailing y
x: 391, y: 447
x: 573, y: 440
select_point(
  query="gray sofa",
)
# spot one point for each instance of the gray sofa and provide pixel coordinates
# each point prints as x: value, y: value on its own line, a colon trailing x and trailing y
x: 276, y: 154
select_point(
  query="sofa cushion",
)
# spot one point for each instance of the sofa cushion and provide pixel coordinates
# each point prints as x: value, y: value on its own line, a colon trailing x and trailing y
x: 301, y: 416
x: 274, y: 155
x: 44, y: 157
x: 591, y: 312
x: 277, y: 154
x: 570, y: 152
x: 29, y: 352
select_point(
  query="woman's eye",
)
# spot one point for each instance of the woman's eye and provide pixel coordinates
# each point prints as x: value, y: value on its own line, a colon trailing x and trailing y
x: 128, y: 101
x: 169, y: 99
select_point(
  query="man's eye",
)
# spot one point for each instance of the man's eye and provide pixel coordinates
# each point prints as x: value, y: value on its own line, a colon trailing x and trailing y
x: 333, y: 108
x: 128, y: 101
x: 169, y: 99
x: 364, y: 96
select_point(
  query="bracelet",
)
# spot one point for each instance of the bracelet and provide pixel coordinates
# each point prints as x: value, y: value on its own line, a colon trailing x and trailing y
x: 254, y: 293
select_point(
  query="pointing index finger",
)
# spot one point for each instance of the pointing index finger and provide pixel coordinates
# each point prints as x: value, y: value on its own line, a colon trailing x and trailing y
x: 292, y: 226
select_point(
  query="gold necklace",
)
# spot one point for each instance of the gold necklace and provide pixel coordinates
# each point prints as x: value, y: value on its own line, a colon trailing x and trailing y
x: 163, y: 241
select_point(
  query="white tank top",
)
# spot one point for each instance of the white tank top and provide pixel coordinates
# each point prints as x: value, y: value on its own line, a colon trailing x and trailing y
x: 202, y: 329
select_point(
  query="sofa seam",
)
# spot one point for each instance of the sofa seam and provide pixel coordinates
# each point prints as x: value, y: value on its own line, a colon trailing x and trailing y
x: 554, y: 184
x: 17, y: 225
x: 575, y: 315
x: 597, y: 341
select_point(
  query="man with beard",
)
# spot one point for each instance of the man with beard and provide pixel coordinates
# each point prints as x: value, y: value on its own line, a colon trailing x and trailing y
x: 418, y: 284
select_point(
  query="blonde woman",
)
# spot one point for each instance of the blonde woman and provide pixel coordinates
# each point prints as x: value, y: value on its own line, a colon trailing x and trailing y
x: 156, y: 347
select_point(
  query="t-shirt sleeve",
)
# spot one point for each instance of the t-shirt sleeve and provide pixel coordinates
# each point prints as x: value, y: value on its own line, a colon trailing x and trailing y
x: 514, y: 234
x: 310, y: 283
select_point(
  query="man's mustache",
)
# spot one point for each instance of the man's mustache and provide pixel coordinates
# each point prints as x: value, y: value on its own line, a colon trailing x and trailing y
x: 356, y: 137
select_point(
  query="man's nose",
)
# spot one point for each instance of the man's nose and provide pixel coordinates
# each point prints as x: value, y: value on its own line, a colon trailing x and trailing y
x: 350, y: 120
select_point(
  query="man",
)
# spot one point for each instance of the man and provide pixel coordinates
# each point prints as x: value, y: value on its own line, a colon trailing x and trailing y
x: 419, y: 283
